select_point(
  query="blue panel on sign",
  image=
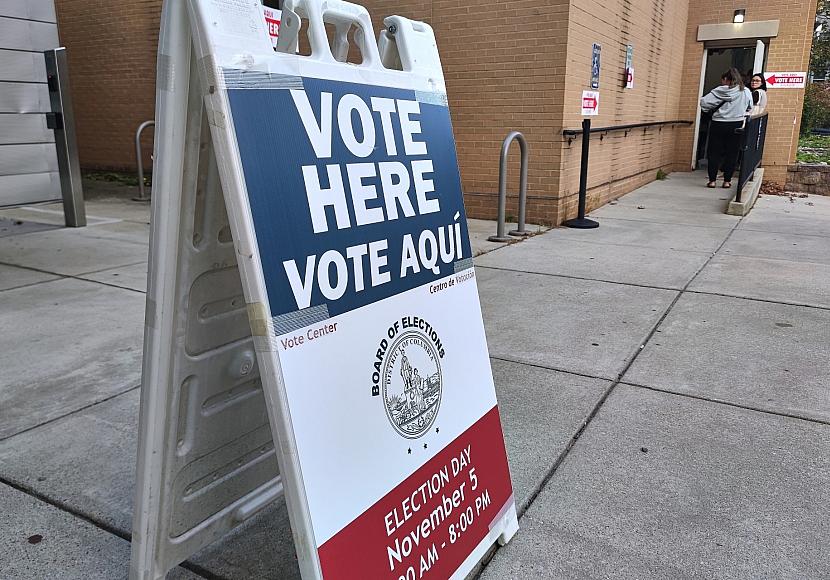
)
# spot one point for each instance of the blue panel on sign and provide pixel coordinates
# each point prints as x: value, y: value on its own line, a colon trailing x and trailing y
x: 354, y: 191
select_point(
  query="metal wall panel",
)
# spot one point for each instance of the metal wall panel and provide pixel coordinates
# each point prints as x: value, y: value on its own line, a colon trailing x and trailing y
x: 28, y: 156
x: 24, y: 98
x: 22, y: 159
x: 24, y: 67
x: 27, y: 34
x: 19, y: 129
x: 29, y: 188
x: 43, y: 10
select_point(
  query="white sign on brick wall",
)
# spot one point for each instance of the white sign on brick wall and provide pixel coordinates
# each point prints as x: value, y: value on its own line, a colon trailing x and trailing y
x: 785, y: 80
x: 590, y: 103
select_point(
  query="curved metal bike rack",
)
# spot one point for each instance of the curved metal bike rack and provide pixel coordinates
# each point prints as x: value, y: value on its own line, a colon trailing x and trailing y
x: 520, y: 231
x: 139, y: 161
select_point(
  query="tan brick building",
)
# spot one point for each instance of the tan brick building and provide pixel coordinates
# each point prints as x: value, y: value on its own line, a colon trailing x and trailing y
x: 513, y: 65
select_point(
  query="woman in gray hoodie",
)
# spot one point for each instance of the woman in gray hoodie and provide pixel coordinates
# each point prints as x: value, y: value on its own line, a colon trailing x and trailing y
x: 729, y: 104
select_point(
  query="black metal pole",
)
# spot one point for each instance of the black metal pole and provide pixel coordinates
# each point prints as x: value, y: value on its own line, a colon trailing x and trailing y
x: 581, y: 222
x: 583, y: 166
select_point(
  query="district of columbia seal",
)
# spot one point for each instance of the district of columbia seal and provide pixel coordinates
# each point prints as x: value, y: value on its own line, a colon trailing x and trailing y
x: 411, y: 382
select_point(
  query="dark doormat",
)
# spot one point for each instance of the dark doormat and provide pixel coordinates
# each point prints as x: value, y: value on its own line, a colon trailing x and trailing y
x: 13, y: 227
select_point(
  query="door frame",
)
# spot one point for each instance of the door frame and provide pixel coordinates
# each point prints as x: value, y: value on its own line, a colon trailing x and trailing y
x: 696, y: 132
x: 761, y: 50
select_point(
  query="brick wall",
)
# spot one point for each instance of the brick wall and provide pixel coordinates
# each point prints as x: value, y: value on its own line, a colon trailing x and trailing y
x: 620, y: 161
x: 522, y: 64
x: 517, y: 64
x: 789, y: 51
x: 111, y: 48
x: 504, y: 65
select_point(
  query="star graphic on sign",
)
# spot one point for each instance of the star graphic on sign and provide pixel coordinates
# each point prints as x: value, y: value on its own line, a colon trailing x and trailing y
x: 437, y: 430
x: 409, y: 450
x: 425, y: 445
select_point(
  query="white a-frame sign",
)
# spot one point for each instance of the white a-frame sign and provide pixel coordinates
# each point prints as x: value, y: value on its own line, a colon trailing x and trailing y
x: 312, y: 301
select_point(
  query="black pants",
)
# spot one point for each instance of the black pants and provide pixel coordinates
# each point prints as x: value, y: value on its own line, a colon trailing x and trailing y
x: 724, y: 145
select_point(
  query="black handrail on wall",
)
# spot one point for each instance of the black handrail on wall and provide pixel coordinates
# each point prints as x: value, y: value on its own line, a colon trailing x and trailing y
x: 752, y: 149
x: 581, y: 221
x: 571, y: 133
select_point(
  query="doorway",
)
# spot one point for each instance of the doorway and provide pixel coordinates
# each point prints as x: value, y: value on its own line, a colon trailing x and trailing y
x: 746, y: 59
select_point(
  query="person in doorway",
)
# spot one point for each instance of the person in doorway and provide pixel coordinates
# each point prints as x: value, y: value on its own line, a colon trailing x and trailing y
x: 729, y: 104
x: 758, y: 87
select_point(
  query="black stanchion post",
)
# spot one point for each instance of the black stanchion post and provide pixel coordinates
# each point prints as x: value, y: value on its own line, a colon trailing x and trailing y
x: 581, y: 222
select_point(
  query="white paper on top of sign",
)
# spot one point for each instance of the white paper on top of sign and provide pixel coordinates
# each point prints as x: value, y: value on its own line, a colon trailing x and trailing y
x: 272, y: 23
x: 590, y: 103
x: 785, y: 80
x: 343, y: 189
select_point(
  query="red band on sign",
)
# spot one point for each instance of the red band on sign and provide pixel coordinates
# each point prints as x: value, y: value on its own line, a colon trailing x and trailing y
x: 428, y: 525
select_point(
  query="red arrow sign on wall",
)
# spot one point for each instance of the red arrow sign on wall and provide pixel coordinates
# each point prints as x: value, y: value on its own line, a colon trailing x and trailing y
x: 590, y: 103
x: 788, y: 80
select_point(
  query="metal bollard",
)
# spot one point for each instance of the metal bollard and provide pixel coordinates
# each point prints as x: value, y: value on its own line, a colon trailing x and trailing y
x: 139, y: 161
x: 581, y: 222
x: 62, y: 121
x: 520, y: 231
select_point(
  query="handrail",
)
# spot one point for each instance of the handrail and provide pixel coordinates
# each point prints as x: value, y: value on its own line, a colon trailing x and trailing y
x: 139, y: 161
x: 571, y: 133
x: 752, y: 149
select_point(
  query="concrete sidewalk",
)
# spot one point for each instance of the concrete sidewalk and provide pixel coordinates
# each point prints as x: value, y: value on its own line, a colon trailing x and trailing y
x: 663, y: 381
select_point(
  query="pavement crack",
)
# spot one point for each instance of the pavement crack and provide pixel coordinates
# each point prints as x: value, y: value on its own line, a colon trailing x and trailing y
x: 58, y: 277
x: 74, y: 276
x: 726, y: 403
x: 764, y: 300
x: 571, y: 277
x: 547, y: 367
x: 801, y: 260
x: 101, y: 525
x: 684, y: 224
x: 789, y: 233
x: 32, y: 269
x: 75, y: 412
x: 110, y: 285
x: 98, y: 271
x: 64, y: 507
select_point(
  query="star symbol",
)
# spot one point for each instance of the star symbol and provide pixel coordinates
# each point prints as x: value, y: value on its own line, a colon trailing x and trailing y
x: 409, y: 450
x: 425, y: 445
x: 437, y: 430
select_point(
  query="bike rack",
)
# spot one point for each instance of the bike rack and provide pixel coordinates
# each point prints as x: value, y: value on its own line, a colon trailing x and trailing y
x: 520, y: 231
x: 139, y: 161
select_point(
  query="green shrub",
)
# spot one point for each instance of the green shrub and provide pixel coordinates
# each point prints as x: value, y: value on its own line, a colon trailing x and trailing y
x: 813, y: 149
x: 816, y: 112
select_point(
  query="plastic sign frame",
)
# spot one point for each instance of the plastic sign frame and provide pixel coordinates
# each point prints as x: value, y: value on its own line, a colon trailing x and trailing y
x: 343, y: 196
